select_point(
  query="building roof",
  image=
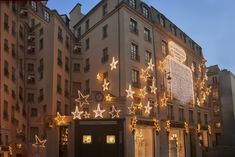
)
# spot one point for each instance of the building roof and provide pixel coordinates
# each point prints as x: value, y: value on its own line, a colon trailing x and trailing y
x: 213, y: 70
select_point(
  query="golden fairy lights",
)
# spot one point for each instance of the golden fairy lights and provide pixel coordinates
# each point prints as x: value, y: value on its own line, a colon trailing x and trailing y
x: 168, y: 126
x: 60, y: 120
x: 186, y: 128
x: 163, y: 100
x: 156, y: 126
x: 133, y: 124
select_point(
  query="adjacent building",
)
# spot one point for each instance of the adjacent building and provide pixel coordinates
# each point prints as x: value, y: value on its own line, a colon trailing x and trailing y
x: 137, y: 81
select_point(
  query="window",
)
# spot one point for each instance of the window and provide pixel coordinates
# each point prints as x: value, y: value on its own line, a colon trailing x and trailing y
x: 199, y: 117
x: 110, y: 139
x: 75, y: 87
x: 181, y: 114
x: 41, y: 44
x: 87, y: 87
x: 87, y: 24
x: 6, y: 70
x: 214, y: 79
x: 162, y: 21
x: 13, y: 51
x: 164, y: 48
x: 76, y: 67
x: 66, y: 88
x: 132, y: 3
x: 46, y: 16
x: 148, y: 56
x: 13, y: 75
x: 173, y: 29
x: 67, y: 42
x: 40, y: 98
x: 133, y: 26
x: 6, y: 22
x: 79, y: 32
x: 87, y: 65
x: 105, y: 56
x: 134, y: 76
x: 60, y: 34
x: 134, y: 52
x: 6, y: 47
x: 34, y: 112
x: 59, y: 83
x: 147, y: 35
x: 145, y: 12
x: 66, y: 64
x: 30, y: 97
x: 194, y: 64
x: 58, y: 106
x: 217, y: 109
x: 34, y: 5
x: 6, y: 89
x: 191, y: 119
x: 105, y: 31
x: 206, y: 119
x: 87, y: 44
x: 21, y: 34
x: 30, y: 67
x: 170, y: 112
x: 86, y: 139
x: 13, y: 28
x: 21, y: 93
x: 105, y: 9
x: 59, y: 58
x: 41, y: 31
x: 5, y: 110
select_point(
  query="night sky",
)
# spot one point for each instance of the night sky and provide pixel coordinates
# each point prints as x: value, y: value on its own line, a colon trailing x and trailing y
x: 210, y: 23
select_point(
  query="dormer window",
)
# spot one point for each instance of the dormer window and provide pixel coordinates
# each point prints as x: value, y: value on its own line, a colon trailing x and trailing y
x: 162, y: 21
x: 132, y: 3
x: 46, y: 16
x: 34, y: 5
x: 145, y: 12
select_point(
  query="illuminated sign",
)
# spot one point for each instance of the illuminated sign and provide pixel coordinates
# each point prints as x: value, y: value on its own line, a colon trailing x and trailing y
x: 177, y: 52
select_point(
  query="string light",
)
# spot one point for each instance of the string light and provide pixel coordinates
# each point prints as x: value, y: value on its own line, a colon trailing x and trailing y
x: 143, y: 92
x: 193, y: 68
x: 130, y: 92
x: 114, y: 64
x: 114, y: 113
x: 77, y: 114
x: 59, y: 119
x: 82, y: 99
x: 133, y: 124
x: 105, y: 85
x: 148, y: 108
x: 186, y: 128
x: 168, y: 126
x: 98, y: 112
x: 156, y: 126
x: 163, y: 100
x: 39, y: 143
x: 132, y: 108
x: 150, y: 65
x: 209, y: 130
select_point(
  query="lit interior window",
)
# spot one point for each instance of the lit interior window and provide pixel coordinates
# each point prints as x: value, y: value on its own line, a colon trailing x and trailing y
x: 110, y: 139
x: 86, y: 139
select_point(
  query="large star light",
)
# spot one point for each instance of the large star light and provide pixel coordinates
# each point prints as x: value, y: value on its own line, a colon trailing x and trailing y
x: 148, y: 108
x: 150, y: 65
x: 98, y: 112
x: 130, y: 92
x: 114, y: 113
x: 82, y: 99
x: 105, y: 85
x: 39, y: 143
x: 77, y: 114
x: 114, y: 64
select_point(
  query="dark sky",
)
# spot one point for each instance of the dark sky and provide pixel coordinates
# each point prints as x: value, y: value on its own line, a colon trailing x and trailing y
x: 210, y: 23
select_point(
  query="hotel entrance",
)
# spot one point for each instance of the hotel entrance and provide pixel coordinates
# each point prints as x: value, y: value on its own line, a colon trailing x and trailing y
x: 100, y: 138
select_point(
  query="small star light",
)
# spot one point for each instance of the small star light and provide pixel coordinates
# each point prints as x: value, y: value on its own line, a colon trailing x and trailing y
x: 114, y: 64
x: 59, y: 119
x: 161, y: 65
x: 153, y: 88
x: 39, y: 143
x: 144, y: 74
x: 82, y: 99
x: 114, y: 112
x: 139, y: 106
x: 86, y: 115
x: 150, y: 65
x: 98, y: 112
x: 164, y: 100
x: 105, y: 85
x: 193, y: 68
x: 132, y: 108
x: 148, y: 108
x: 143, y: 92
x: 99, y: 77
x: 77, y: 114
x: 130, y: 92
x: 108, y: 97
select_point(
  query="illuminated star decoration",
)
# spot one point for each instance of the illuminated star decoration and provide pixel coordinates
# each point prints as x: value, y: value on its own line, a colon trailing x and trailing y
x: 161, y: 65
x: 98, y: 112
x: 139, y: 106
x: 144, y: 74
x: 114, y: 112
x: 77, y: 114
x: 143, y: 92
x: 130, y: 92
x: 153, y: 88
x: 198, y: 102
x: 132, y: 108
x: 114, y: 64
x: 39, y: 143
x: 108, y: 97
x: 82, y: 99
x: 86, y: 115
x: 105, y: 85
x: 164, y: 100
x: 148, y: 108
x: 59, y: 119
x: 99, y: 77
x: 150, y: 65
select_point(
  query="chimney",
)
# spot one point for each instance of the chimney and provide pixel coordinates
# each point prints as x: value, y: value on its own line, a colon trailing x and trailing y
x: 75, y: 15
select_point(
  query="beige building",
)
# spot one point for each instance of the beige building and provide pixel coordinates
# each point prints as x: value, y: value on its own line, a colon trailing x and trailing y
x: 44, y: 64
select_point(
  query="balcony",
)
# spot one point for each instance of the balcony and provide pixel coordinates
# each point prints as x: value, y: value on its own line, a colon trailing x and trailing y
x: 105, y: 58
x: 31, y: 50
x: 77, y: 50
